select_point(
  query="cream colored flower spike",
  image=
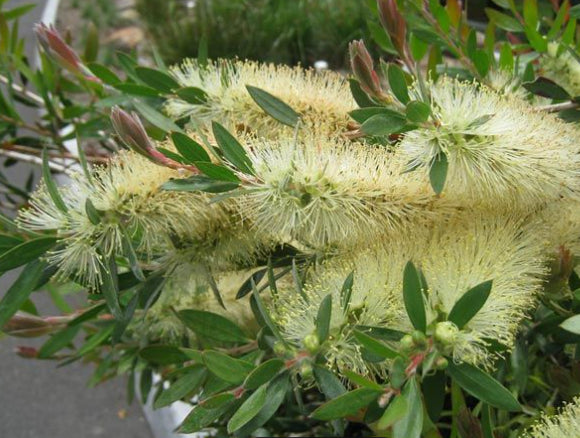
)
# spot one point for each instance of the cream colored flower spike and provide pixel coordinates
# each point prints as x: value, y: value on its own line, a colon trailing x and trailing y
x: 563, y: 68
x: 566, y: 424
x: 322, y: 98
x: 470, y: 250
x: 128, y: 194
x: 501, y: 151
x: 330, y: 193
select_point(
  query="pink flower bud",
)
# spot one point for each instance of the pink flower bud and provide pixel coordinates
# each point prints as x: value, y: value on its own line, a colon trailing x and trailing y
x: 394, y: 23
x: 55, y: 47
x: 25, y: 325
x: 363, y: 68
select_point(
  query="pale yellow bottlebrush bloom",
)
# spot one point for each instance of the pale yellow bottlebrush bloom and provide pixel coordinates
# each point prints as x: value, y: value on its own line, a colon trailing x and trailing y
x: 561, y: 220
x: 128, y: 194
x: 323, y: 99
x: 190, y: 289
x: 475, y: 248
x: 561, y: 67
x: 331, y: 193
x: 566, y: 424
x: 457, y: 256
x: 501, y: 151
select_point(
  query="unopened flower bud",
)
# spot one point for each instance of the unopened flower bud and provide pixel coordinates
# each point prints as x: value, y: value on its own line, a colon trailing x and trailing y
x: 419, y: 339
x: 441, y: 363
x: 306, y: 370
x: 280, y: 349
x: 394, y: 23
x: 56, y: 47
x: 26, y: 352
x: 407, y: 343
x: 28, y: 326
x: 311, y: 342
x: 446, y: 333
x: 363, y: 69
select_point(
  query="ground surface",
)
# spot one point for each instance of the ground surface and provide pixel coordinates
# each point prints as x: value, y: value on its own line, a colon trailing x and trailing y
x: 39, y: 400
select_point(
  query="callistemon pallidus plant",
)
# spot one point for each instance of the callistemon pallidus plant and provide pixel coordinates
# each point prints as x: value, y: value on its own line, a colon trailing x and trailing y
x: 381, y: 250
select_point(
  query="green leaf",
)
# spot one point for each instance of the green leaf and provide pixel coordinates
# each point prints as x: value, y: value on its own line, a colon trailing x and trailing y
x: 329, y: 384
x: 438, y: 172
x: 110, y: 287
x: 418, y: 48
x: 394, y: 412
x: 156, y: 118
x: 91, y: 43
x: 398, y: 83
x: 482, y: 386
x: 362, y: 381
x: 276, y: 394
x: 273, y: 106
x: 547, y: 88
x: 486, y: 424
x: 18, y: 11
x: 360, y: 97
x: 199, y: 183
x: 191, y: 150
x: 186, y: 384
x: 418, y: 112
x: 20, y: 290
x: 212, y: 326
x: 433, y: 387
x: 346, y: 404
x: 201, y: 417
x: 136, y: 89
x: 104, y: 73
x: 411, y: 424
x: 232, y: 149
x: 249, y: 409
x: 572, y: 324
x: 217, y: 172
x: 383, y: 124
x: 413, y: 297
x: 558, y: 21
x: 537, y: 41
x: 361, y: 115
x: 95, y: 340
x: 227, y: 368
x: 531, y: 13
x: 193, y: 95
x: 381, y: 37
x: 346, y: 291
x: 323, y: 318
x: 481, y: 61
x: 50, y: 184
x: 129, y: 252
x: 506, y: 57
x: 25, y: 252
x: 58, y: 341
x: 93, y: 214
x: 264, y: 373
x: 163, y: 355
x: 374, y: 346
x: 574, y: 11
x: 504, y: 21
x: 469, y: 304
x: 156, y: 79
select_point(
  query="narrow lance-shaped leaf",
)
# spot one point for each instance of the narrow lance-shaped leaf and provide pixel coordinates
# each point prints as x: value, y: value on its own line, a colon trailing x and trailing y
x: 413, y: 297
x: 19, y: 292
x: 438, y: 172
x: 249, y: 409
x: 469, y: 304
x: 156, y: 79
x: 232, y: 149
x: 346, y: 291
x: 183, y: 386
x: 374, y: 346
x: 394, y: 412
x: 398, y: 83
x: 273, y: 106
x: 346, y: 404
x: 482, y: 386
x: 411, y: 424
x: 25, y: 252
x: 211, y: 325
x: 547, y: 88
x: 265, y: 315
x: 264, y: 373
x: 323, y: 318
x: 110, y: 287
x: 572, y: 324
x: 50, y: 184
x: 191, y: 150
x: 199, y: 183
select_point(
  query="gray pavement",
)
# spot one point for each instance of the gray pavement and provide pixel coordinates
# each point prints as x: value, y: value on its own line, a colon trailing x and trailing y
x: 39, y: 400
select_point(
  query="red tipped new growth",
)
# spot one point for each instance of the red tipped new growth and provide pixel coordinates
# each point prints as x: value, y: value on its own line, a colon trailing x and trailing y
x: 26, y: 352
x: 394, y: 23
x: 363, y: 69
x: 132, y: 132
x: 55, y: 47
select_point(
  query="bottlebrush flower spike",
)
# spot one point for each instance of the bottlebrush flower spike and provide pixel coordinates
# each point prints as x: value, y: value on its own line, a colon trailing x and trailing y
x: 61, y: 52
x: 563, y: 425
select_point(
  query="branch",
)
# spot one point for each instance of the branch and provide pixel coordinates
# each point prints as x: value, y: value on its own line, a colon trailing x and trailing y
x: 557, y: 107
